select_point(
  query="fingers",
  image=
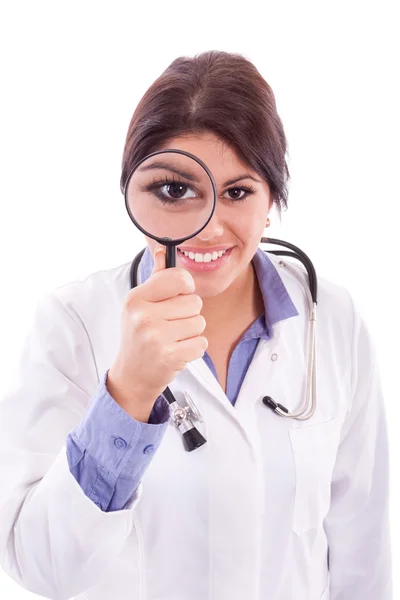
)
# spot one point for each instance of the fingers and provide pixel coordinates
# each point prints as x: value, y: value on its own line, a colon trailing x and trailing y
x: 191, y: 349
x: 180, y: 307
x: 183, y: 329
x: 168, y: 283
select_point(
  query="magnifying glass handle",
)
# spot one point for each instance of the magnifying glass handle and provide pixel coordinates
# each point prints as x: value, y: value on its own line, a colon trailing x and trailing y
x: 171, y: 257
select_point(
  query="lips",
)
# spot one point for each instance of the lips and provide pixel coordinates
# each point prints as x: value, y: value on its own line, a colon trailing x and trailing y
x: 202, y: 250
x: 201, y: 265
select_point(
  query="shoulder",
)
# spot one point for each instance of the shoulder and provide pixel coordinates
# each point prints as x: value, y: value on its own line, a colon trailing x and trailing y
x: 335, y: 305
x: 331, y: 295
x: 92, y: 294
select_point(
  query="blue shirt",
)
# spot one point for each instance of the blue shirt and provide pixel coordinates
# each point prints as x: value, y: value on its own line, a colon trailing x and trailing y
x: 109, y: 451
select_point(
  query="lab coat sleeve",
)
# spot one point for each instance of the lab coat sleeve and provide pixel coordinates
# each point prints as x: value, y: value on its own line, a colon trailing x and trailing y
x: 109, y: 451
x: 357, y: 524
x: 54, y: 541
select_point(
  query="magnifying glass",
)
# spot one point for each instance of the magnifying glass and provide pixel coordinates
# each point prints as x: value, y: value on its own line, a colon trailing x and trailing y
x: 170, y: 196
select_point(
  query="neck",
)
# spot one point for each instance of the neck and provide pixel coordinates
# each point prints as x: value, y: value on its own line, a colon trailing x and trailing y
x: 242, y: 301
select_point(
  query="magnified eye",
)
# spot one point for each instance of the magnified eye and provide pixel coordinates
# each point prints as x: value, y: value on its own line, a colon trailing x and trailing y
x: 177, y: 191
x: 170, y: 191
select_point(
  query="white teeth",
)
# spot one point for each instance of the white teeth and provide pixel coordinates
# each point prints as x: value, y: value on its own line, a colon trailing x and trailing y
x: 207, y: 257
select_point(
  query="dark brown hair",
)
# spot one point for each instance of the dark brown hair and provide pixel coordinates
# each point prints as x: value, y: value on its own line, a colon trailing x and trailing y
x: 215, y: 92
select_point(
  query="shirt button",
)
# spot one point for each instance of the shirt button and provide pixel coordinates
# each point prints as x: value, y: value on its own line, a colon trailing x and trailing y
x: 97, y: 504
x: 274, y: 357
x: 120, y: 443
x: 149, y: 449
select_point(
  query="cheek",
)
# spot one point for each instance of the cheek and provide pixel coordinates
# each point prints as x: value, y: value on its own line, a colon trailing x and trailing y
x: 250, y: 226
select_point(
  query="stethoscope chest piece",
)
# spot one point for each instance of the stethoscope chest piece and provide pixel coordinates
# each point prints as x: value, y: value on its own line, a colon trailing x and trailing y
x: 182, y: 416
x: 193, y: 408
x: 184, y: 412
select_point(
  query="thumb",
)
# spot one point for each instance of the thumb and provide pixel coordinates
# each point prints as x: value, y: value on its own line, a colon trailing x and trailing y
x: 159, y: 258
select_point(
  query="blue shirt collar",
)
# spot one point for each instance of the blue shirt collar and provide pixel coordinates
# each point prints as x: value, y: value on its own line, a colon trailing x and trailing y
x: 277, y: 303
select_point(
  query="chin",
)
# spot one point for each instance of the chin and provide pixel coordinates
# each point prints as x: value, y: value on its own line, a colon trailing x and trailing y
x: 210, y: 289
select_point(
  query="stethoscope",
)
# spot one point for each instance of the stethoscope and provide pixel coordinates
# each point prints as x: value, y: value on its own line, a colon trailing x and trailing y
x: 182, y: 416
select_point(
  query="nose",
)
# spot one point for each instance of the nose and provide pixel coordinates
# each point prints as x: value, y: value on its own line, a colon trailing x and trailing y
x: 213, y: 229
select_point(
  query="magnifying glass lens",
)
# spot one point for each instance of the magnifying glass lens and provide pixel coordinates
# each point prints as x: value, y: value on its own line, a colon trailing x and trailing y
x: 170, y: 196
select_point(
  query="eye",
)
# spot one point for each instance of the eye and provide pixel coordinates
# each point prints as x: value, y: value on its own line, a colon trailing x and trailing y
x: 170, y: 191
x: 177, y: 191
x: 239, y: 193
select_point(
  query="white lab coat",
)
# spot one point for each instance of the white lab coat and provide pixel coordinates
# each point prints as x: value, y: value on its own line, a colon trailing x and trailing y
x: 248, y: 516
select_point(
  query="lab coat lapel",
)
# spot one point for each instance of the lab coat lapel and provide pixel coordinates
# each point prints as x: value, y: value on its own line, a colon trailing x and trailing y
x: 206, y: 380
x: 199, y: 369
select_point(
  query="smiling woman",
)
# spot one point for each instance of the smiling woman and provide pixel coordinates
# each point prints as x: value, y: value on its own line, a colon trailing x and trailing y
x: 99, y: 498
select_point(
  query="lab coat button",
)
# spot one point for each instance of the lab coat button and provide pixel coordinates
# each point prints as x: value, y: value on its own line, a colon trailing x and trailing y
x: 149, y: 449
x: 274, y: 357
x: 120, y: 443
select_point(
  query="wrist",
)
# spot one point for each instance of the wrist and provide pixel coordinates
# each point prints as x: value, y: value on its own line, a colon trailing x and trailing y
x: 131, y: 397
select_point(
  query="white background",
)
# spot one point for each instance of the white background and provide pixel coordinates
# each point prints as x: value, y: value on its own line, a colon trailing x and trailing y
x: 71, y: 76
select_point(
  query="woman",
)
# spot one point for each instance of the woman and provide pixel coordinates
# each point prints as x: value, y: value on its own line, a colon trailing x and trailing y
x: 99, y: 498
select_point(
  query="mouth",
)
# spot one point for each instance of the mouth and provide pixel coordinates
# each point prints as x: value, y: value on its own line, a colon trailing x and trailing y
x: 213, y: 259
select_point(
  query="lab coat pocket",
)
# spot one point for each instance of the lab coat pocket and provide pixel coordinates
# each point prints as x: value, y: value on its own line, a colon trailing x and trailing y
x: 314, y: 450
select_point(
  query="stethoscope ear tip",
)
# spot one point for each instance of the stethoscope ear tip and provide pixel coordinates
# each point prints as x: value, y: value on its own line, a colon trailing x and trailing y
x: 267, y: 400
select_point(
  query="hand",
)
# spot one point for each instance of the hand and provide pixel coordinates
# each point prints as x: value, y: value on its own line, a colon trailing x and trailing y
x: 161, y: 329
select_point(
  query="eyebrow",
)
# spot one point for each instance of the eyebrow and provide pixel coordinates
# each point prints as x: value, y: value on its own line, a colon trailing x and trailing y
x: 244, y: 176
x: 167, y: 167
x: 189, y: 176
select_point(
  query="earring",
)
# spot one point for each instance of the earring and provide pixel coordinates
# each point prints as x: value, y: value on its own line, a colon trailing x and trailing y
x: 268, y: 223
